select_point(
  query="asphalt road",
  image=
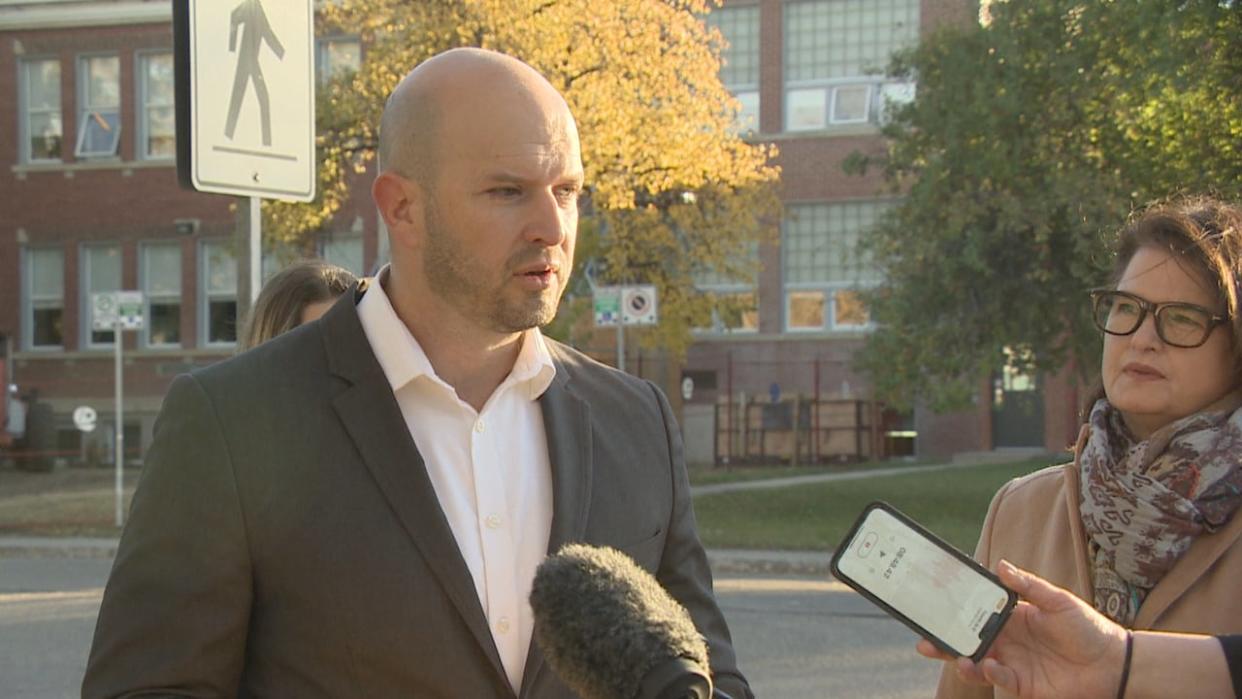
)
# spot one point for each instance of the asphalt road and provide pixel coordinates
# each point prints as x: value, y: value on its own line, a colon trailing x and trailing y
x: 796, y: 637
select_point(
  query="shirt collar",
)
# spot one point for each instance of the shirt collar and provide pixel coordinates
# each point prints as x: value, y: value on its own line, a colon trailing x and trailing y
x: 403, y: 359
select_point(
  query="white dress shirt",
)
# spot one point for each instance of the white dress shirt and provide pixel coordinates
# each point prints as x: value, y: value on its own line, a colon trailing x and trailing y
x: 490, y: 468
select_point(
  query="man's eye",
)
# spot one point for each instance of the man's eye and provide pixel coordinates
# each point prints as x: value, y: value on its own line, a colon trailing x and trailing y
x: 567, y: 193
x: 506, y: 191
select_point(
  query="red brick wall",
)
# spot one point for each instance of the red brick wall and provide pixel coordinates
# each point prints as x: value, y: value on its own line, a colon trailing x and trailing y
x: 122, y: 201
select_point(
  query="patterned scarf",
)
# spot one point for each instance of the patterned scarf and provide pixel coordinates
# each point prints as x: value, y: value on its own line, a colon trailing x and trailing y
x: 1144, y: 503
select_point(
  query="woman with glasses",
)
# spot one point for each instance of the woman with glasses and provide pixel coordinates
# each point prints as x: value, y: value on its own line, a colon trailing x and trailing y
x: 1142, y: 524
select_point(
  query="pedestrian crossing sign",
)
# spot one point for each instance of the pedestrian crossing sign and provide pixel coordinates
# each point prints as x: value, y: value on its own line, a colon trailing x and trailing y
x: 245, y: 92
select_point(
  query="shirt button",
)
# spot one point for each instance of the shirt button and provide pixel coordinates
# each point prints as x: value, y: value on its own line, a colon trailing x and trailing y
x: 502, y: 625
x: 492, y: 521
x: 478, y: 425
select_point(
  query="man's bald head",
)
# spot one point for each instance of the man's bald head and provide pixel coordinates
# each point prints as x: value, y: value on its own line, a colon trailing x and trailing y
x: 459, y: 83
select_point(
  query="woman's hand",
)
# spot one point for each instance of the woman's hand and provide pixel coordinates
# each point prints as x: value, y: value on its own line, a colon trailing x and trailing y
x: 1054, y: 646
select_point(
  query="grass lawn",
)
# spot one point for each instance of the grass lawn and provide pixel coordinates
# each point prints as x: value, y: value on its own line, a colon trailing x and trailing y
x: 814, y: 517
x: 67, y: 502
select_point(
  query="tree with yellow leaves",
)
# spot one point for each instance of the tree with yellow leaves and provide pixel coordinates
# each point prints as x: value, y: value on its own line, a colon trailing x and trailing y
x: 672, y: 189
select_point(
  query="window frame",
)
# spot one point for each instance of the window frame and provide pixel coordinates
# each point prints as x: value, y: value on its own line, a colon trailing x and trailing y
x: 341, y: 237
x: 205, y: 297
x: 829, y: 291
x: 84, y: 107
x: 717, y: 326
x: 143, y: 106
x: 749, y: 89
x: 828, y: 106
x: 322, y: 75
x: 25, y: 110
x: 144, y: 278
x: 84, y: 284
x: 828, y: 288
x: 872, y: 82
x: 29, y: 302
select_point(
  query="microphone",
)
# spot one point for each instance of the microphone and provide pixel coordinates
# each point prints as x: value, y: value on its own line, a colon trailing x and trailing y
x: 610, y: 631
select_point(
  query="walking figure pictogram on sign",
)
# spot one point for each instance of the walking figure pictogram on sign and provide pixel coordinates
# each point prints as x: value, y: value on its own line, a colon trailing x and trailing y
x: 256, y: 31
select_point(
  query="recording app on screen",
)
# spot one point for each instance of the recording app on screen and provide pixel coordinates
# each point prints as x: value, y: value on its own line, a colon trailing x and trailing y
x: 922, y: 581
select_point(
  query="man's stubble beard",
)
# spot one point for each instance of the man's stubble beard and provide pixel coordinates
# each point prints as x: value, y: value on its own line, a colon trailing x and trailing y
x: 456, y: 277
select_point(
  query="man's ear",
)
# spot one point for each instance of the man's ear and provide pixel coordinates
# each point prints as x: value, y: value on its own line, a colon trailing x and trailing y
x: 399, y: 202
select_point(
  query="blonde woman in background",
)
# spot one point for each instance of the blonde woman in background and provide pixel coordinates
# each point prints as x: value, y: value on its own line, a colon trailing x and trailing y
x: 298, y: 294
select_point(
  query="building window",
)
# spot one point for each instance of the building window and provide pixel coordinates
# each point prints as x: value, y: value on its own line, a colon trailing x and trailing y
x: 99, y: 94
x: 41, y: 127
x: 161, y: 288
x: 44, y: 307
x: 825, y: 267
x: 336, y: 57
x: 276, y: 256
x: 218, y: 291
x: 736, y: 311
x: 157, y: 132
x: 344, y: 250
x: 739, y: 70
x: 835, y: 55
x: 737, y: 303
x: 101, y: 272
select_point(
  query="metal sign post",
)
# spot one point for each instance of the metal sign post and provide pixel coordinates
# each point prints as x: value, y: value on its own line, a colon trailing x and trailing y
x: 118, y: 311
x: 256, y: 249
x: 619, y: 306
x: 119, y: 441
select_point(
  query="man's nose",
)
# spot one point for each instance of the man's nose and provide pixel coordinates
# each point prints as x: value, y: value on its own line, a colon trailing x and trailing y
x: 548, y: 219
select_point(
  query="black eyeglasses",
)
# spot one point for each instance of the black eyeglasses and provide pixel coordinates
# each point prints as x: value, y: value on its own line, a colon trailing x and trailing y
x: 1178, y: 324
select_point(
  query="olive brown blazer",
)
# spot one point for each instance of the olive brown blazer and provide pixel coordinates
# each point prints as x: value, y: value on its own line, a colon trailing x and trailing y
x: 286, y: 541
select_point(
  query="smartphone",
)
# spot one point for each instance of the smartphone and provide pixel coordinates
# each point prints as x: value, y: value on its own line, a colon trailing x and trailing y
x: 923, y: 581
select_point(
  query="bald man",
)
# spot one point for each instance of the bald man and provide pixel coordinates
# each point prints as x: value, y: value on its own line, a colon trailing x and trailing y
x: 357, y: 507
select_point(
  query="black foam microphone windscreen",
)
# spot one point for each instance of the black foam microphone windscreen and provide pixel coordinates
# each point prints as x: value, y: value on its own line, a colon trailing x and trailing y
x: 610, y: 631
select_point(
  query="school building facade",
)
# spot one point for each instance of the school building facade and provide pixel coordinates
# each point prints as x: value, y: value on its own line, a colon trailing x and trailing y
x: 89, y: 202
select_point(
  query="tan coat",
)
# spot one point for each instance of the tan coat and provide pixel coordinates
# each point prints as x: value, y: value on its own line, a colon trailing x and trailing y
x: 1034, y: 523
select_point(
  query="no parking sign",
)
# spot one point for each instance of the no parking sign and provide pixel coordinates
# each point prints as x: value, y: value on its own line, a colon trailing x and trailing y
x: 638, y: 305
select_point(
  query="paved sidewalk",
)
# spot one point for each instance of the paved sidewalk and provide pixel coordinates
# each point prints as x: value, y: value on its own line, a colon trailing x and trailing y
x: 860, y: 474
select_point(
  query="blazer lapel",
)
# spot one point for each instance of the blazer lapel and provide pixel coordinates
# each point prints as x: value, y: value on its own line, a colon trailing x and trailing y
x: 1203, y: 553
x: 1073, y: 500
x: 371, y: 416
x: 567, y: 424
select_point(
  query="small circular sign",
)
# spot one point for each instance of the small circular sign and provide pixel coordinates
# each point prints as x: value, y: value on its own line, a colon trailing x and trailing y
x: 84, y: 418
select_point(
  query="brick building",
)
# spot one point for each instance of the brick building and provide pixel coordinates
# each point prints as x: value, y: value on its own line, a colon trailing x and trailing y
x: 810, y: 76
x: 89, y: 202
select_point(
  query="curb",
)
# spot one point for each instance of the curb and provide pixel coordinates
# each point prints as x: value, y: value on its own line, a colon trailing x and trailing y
x: 731, y: 561
x: 57, y: 547
x: 801, y: 563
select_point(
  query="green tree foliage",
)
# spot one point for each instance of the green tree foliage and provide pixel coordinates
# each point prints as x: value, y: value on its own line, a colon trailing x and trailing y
x: 1031, y: 139
x: 671, y: 187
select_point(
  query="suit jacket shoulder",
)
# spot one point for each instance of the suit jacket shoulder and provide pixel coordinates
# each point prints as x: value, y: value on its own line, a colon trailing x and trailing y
x: 591, y: 376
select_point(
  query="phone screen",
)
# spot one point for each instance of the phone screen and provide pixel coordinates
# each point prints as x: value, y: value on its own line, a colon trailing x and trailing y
x: 923, y: 582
